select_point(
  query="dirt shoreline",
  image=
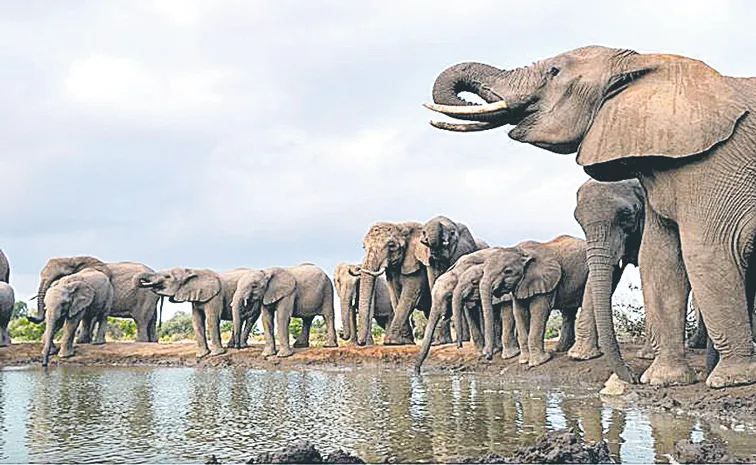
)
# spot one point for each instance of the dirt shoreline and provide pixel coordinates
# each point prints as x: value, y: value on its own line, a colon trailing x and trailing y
x: 732, y: 408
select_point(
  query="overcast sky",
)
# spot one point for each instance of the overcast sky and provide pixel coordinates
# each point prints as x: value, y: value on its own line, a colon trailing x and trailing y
x: 221, y: 134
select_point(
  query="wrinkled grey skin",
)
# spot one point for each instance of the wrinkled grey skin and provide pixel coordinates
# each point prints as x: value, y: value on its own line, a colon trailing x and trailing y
x: 85, y: 296
x: 445, y: 242
x: 210, y: 294
x: 128, y: 300
x: 304, y: 291
x: 4, y: 268
x: 7, y: 301
x: 689, y: 135
x: 449, y: 286
x: 393, y: 248
x: 541, y: 277
x: 346, y: 279
x: 611, y: 215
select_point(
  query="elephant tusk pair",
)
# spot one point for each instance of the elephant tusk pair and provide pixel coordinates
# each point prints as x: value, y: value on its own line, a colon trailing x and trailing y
x: 373, y: 273
x: 465, y: 112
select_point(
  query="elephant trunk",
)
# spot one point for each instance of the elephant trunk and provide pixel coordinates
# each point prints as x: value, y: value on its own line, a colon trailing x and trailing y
x: 601, y: 282
x: 236, y: 319
x: 438, y: 309
x: 458, y: 309
x: 40, y: 317
x: 476, y: 78
x: 486, y: 300
x: 367, y: 288
x: 346, y: 315
x: 47, y: 338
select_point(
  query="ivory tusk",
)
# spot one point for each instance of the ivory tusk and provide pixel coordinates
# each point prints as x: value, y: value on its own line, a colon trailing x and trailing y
x: 468, y: 110
x: 465, y: 127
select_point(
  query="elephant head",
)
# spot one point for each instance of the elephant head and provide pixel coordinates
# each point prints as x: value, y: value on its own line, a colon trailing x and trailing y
x: 612, y: 216
x: 525, y: 271
x: 390, y: 248
x: 445, y: 241
x: 466, y: 290
x: 57, y: 268
x: 181, y: 284
x: 263, y: 287
x: 622, y: 112
x: 347, y: 282
x: 64, y: 300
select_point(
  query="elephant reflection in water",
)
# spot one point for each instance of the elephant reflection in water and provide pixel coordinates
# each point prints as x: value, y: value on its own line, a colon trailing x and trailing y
x: 667, y: 429
x: 587, y: 418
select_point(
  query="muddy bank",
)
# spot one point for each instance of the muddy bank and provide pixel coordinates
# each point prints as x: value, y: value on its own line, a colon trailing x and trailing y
x: 734, y: 408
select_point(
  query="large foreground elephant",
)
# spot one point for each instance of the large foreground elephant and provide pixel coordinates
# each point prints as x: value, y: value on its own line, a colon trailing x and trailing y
x: 129, y: 301
x: 689, y: 135
x: 445, y: 242
x: 611, y: 215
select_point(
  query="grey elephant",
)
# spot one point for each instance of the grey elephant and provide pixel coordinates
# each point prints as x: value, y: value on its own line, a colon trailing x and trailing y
x: 346, y: 278
x: 445, y: 242
x: 393, y: 248
x: 687, y: 133
x: 611, y: 215
x: 129, y: 301
x: 304, y: 291
x: 4, y: 268
x: 541, y: 277
x: 86, y: 295
x: 7, y: 301
x: 210, y: 294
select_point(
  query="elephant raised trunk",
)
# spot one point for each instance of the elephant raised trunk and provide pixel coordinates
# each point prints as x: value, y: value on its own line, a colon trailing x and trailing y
x: 601, y: 268
x: 40, y: 317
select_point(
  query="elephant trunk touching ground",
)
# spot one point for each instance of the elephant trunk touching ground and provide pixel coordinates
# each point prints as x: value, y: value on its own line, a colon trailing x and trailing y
x: 367, y: 289
x: 601, y: 268
x: 486, y: 289
x: 347, y: 314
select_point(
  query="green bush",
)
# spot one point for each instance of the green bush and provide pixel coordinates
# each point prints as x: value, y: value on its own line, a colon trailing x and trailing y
x: 553, y: 325
x: 20, y: 310
x: 418, y: 323
x: 24, y: 330
x: 177, y: 328
x: 120, y: 329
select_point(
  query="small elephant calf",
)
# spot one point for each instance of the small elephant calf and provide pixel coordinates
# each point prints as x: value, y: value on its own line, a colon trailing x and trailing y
x: 304, y: 291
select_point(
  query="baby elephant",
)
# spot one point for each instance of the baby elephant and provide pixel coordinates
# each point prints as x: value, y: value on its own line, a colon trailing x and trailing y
x: 7, y: 301
x: 304, y: 291
x: 86, y: 295
x: 347, y: 281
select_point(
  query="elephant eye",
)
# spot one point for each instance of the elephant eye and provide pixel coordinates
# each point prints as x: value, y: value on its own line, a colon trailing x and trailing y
x: 508, y: 271
x: 553, y: 71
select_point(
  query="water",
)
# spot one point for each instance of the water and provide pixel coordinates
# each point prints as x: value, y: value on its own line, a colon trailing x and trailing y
x: 75, y: 414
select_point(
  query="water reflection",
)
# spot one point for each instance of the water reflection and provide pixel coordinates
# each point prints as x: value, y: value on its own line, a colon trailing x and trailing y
x: 153, y: 415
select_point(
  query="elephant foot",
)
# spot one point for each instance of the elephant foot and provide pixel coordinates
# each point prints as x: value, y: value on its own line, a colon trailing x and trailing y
x: 538, y: 358
x: 510, y: 352
x: 268, y: 352
x: 285, y: 352
x: 584, y: 350
x: 646, y: 353
x: 523, y: 358
x: 400, y: 341
x: 201, y: 353
x: 98, y: 343
x: 331, y: 344
x: 563, y: 346
x: 217, y: 351
x: 733, y: 371
x: 302, y: 344
x: 66, y: 353
x: 668, y: 373
x: 243, y: 345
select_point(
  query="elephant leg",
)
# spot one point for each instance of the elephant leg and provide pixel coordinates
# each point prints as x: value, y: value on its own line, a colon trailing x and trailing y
x: 567, y: 331
x: 473, y: 317
x: 213, y: 310
x: 102, y: 325
x: 586, y: 334
x: 665, y: 294
x: 510, y: 348
x: 539, y: 314
x: 84, y: 331
x: 464, y: 333
x: 303, y: 340
x: 198, y: 323
x: 268, y: 329
x: 522, y: 322
x: 69, y: 331
x: 407, y: 302
x: 249, y: 323
x: 442, y: 334
x: 498, y: 330
x: 142, y: 329
x: 353, y: 322
x: 329, y: 317
x: 283, y: 316
x: 720, y: 293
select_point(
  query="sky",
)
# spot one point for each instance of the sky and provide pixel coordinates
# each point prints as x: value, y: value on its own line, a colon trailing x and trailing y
x: 238, y: 133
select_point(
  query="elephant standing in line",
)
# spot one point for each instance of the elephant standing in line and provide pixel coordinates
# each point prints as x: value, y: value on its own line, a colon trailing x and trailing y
x: 210, y: 294
x: 689, y: 135
x: 611, y: 215
x: 129, y: 301
x: 393, y: 248
x: 347, y: 282
x: 7, y: 302
x: 445, y: 242
x: 82, y: 297
x: 304, y: 291
x: 541, y: 277
x: 4, y: 268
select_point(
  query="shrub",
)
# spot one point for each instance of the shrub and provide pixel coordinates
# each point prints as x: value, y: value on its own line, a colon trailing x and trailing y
x: 121, y: 329
x: 24, y: 330
x: 177, y: 328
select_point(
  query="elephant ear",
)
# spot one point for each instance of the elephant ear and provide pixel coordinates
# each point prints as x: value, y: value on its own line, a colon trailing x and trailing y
x: 423, y: 254
x: 198, y: 286
x: 660, y: 106
x: 280, y: 284
x: 465, y: 243
x: 411, y: 262
x: 541, y: 275
x: 82, y: 297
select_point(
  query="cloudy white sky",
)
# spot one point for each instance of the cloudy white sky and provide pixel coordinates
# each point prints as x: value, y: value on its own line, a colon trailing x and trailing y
x: 235, y: 133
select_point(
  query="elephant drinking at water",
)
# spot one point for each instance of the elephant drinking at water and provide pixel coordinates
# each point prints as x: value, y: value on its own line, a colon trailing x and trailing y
x: 688, y: 134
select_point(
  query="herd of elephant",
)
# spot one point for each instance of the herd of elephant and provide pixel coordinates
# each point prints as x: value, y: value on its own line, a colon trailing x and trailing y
x: 671, y: 146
